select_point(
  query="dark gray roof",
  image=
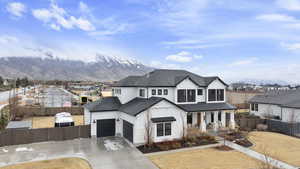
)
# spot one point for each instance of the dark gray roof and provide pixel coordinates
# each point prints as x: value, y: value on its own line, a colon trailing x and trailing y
x: 162, y: 119
x: 104, y: 104
x: 138, y: 105
x: 206, y: 107
x: 290, y: 98
x: 164, y: 78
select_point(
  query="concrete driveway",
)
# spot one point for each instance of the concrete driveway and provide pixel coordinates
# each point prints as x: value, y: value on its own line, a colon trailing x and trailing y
x: 104, y: 153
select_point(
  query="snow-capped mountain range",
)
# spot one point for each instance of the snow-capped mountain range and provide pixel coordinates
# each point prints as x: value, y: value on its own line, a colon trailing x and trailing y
x: 104, y: 68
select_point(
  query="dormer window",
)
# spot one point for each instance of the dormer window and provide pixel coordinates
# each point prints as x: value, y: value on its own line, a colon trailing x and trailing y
x: 153, y: 91
x: 159, y: 91
x: 165, y: 91
x: 142, y: 92
x: 215, y: 94
x: 200, y: 92
x: 186, y: 95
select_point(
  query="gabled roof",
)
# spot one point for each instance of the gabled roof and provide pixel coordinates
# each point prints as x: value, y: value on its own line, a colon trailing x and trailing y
x: 138, y: 105
x: 165, y: 78
x: 104, y: 104
x: 206, y: 107
x: 290, y: 98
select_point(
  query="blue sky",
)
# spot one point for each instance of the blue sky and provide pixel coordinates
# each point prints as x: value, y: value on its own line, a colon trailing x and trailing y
x: 234, y: 39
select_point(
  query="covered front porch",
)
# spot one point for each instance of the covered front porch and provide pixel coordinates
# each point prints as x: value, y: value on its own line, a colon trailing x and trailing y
x: 210, y: 115
x: 211, y: 120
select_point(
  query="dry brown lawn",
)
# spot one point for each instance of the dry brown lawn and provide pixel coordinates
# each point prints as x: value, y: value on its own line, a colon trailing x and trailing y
x: 278, y: 146
x: 48, y: 122
x: 209, y: 158
x: 63, y: 163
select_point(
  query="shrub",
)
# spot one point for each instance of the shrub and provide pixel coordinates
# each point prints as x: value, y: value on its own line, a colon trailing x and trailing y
x: 261, y: 127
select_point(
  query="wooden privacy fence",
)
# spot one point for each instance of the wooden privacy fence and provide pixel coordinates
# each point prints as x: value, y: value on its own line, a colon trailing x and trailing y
x: 249, y: 123
x: 292, y: 129
x: 25, y: 111
x: 26, y: 136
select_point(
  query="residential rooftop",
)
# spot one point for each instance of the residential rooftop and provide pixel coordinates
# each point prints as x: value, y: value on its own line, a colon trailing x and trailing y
x: 165, y: 78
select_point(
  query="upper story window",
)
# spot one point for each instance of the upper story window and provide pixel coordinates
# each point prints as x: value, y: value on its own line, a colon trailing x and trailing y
x: 186, y: 95
x: 215, y: 94
x: 165, y: 91
x: 191, y: 95
x: 254, y: 107
x: 116, y: 91
x: 159, y: 91
x: 153, y: 91
x: 142, y: 92
x: 200, y: 92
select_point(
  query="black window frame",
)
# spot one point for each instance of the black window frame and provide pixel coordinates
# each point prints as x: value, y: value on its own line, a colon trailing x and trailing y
x: 212, y: 96
x: 181, y: 97
x: 166, y: 91
x: 254, y: 107
x: 199, y: 92
x: 159, y: 92
x: 159, y: 129
x: 163, y: 129
x: 168, y: 128
x: 153, y: 92
x: 142, y: 93
x: 216, y: 95
x: 191, y: 95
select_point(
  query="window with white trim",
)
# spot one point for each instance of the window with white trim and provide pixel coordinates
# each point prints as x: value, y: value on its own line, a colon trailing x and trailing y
x: 163, y: 129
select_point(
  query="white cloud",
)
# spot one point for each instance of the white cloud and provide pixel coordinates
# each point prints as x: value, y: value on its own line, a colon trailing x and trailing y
x: 290, y: 46
x: 17, y: 9
x: 244, y: 61
x: 182, y: 42
x: 276, y: 18
x: 84, y: 8
x: 158, y: 64
x: 57, y: 17
x: 292, y: 5
x: 183, y: 56
x: 6, y: 39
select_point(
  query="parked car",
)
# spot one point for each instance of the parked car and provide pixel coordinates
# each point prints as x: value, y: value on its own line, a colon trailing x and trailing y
x: 63, y: 119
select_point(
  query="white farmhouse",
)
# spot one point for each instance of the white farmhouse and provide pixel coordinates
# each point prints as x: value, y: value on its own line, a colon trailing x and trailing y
x: 161, y: 105
x: 279, y: 105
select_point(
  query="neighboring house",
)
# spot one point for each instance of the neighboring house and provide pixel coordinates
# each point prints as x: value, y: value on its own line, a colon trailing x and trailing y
x: 280, y: 105
x: 160, y: 105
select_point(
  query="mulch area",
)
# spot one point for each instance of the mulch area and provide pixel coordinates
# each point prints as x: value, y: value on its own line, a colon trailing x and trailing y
x: 237, y: 137
x: 177, y: 144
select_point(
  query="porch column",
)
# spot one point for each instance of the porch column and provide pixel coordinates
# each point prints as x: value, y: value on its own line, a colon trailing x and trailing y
x: 231, y: 121
x: 202, y: 122
x: 215, y: 122
x: 223, y: 119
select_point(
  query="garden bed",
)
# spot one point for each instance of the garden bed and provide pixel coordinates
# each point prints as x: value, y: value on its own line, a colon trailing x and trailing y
x: 192, y: 141
x: 237, y: 137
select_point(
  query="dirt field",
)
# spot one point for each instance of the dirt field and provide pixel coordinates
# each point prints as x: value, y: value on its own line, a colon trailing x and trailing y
x: 209, y: 158
x: 63, y: 163
x: 48, y: 122
x: 278, y: 146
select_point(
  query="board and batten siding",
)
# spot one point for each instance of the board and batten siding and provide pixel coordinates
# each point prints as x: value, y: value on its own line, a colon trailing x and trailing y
x: 216, y: 84
x: 264, y: 109
x: 169, y: 96
x: 161, y: 109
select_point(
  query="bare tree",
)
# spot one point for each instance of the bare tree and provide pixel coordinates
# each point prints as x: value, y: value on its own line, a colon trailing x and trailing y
x: 267, y: 164
x: 148, y: 128
x: 184, y: 125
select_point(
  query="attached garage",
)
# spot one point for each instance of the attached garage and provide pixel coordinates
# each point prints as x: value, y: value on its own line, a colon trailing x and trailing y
x: 128, y: 130
x: 106, y: 127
